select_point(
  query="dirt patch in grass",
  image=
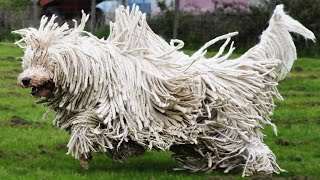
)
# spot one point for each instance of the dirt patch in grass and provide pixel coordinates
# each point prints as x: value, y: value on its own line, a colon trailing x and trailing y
x: 5, y: 107
x: 17, y: 121
x: 312, y: 103
x: 296, y: 158
x: 27, y: 155
x: 9, y: 77
x: 298, y: 95
x: 302, y: 104
x: 283, y: 142
x: 298, y: 69
x: 44, y: 150
x: 260, y: 176
x: 301, y: 178
x: 62, y: 146
x: 299, y: 88
x: 313, y: 76
x: 12, y: 71
x: 23, y: 155
x: 12, y: 58
x: 290, y: 122
x: 2, y: 154
x: 219, y: 178
x: 16, y: 94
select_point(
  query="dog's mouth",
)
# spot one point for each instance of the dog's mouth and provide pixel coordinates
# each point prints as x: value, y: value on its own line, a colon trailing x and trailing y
x: 43, y: 90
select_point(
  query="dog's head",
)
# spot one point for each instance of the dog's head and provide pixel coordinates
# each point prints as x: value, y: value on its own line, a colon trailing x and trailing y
x: 38, y: 72
x: 43, y: 50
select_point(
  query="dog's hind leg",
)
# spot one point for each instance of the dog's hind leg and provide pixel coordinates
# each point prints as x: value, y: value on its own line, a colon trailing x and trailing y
x: 125, y: 150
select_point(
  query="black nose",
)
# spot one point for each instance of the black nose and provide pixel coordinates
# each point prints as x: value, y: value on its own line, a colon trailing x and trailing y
x: 26, y: 81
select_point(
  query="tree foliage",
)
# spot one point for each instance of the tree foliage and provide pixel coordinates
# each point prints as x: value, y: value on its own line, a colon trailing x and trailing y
x: 14, y: 5
x: 195, y: 30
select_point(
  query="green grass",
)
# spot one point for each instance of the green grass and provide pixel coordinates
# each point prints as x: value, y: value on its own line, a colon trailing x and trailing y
x: 31, y: 148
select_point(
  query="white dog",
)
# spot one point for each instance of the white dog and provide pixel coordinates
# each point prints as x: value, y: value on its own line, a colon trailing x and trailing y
x: 134, y: 92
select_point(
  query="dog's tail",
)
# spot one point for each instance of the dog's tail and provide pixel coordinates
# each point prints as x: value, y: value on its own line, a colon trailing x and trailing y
x: 280, y: 17
x: 276, y: 42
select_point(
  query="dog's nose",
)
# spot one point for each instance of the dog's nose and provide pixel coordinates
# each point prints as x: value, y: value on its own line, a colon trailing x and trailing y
x: 26, y: 81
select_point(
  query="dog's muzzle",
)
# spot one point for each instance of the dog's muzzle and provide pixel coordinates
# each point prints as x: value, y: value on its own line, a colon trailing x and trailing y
x: 43, y: 90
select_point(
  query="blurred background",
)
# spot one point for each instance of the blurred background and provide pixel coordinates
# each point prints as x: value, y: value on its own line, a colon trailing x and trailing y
x: 193, y: 21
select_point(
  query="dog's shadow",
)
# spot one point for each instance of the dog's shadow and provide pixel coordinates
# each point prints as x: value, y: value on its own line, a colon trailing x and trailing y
x: 150, y: 163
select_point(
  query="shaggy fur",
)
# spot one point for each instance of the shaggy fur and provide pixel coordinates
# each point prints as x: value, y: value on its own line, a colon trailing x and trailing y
x: 134, y: 92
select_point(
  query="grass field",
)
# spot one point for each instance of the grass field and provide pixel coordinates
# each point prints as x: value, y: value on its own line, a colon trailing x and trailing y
x: 31, y: 148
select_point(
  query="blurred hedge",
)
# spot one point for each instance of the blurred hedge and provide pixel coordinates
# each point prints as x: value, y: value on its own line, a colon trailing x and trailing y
x: 195, y: 30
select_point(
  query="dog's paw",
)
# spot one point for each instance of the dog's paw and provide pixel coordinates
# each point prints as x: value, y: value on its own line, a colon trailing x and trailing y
x: 84, y: 163
x: 84, y: 160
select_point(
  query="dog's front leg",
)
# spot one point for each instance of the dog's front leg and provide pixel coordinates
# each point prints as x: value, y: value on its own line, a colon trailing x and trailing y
x: 83, y: 142
x: 85, y: 160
